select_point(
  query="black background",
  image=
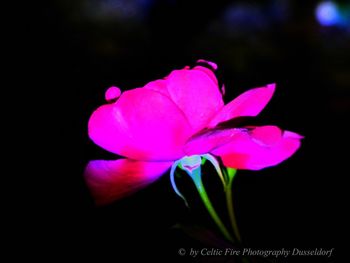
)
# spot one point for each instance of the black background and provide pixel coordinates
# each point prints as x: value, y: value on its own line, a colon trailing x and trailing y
x: 72, y: 59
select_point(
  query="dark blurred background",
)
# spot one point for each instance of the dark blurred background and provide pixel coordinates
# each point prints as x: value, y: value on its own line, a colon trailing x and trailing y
x: 82, y: 47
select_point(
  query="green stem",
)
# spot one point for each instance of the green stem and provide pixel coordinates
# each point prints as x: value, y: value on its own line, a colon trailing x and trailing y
x: 229, y: 202
x: 196, y: 176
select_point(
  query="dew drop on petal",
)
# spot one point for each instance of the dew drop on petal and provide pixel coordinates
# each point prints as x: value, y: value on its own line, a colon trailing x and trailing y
x: 112, y: 93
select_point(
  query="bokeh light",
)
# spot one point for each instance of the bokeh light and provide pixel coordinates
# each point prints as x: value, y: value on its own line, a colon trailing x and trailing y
x: 124, y: 10
x: 328, y: 13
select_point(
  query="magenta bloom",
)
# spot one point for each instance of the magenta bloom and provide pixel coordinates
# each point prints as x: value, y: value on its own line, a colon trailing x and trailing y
x: 179, y: 116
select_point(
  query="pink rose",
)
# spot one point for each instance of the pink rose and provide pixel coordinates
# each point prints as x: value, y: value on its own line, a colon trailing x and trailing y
x: 175, y: 117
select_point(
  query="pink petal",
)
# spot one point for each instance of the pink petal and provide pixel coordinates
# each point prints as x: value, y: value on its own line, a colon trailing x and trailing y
x: 250, y: 103
x: 262, y: 147
x: 159, y: 85
x: 208, y: 140
x: 196, y: 93
x: 112, y: 180
x: 143, y: 125
x: 266, y: 135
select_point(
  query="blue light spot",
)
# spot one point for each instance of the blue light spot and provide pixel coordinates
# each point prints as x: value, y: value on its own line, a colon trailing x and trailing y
x: 328, y: 14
